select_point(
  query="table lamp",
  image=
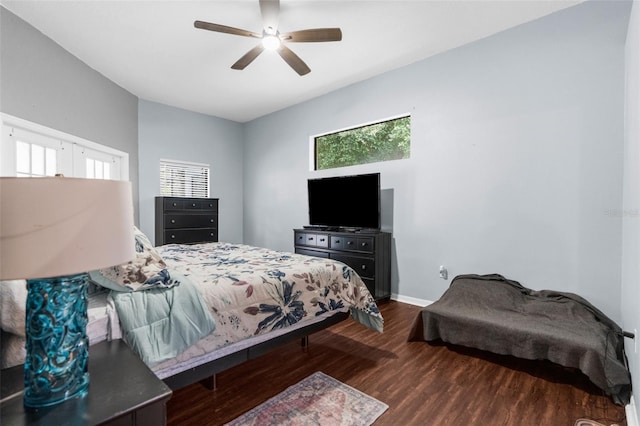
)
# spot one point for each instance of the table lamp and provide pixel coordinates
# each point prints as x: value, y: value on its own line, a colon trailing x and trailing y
x: 53, y: 230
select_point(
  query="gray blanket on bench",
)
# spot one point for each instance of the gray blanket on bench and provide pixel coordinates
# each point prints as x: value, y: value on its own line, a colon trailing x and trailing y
x: 492, y: 313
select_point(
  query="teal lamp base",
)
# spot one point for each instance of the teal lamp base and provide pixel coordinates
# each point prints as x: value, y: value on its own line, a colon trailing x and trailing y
x: 56, y: 366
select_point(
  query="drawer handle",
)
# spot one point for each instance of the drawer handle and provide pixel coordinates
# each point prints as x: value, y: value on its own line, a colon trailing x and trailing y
x: 212, y: 234
x: 322, y: 240
x: 363, y: 267
x: 364, y: 244
x: 211, y: 220
x: 337, y: 241
x: 349, y: 243
x: 175, y: 204
x: 310, y: 238
x: 210, y: 204
x: 193, y: 204
x: 173, y: 221
x: 173, y: 237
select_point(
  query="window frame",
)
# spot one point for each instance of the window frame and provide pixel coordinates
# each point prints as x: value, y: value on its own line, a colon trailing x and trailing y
x: 188, y: 166
x: 13, y: 127
x: 313, y: 141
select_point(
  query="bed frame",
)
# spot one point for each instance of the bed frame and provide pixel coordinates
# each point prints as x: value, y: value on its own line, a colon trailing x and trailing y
x: 206, y: 373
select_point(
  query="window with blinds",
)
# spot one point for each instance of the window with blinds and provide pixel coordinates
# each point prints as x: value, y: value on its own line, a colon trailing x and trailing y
x: 183, y: 179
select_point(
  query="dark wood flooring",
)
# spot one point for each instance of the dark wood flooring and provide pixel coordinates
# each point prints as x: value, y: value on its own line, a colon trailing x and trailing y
x: 423, y: 383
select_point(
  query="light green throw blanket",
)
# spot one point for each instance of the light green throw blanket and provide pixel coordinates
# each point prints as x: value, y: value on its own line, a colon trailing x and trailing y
x: 159, y: 324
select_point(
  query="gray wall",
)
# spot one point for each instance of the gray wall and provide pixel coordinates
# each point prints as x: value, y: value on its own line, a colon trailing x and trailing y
x: 176, y: 134
x: 516, y: 164
x: 631, y: 206
x: 516, y: 159
x: 43, y: 83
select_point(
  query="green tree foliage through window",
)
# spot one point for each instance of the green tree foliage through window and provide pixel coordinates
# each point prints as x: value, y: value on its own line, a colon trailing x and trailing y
x: 384, y: 141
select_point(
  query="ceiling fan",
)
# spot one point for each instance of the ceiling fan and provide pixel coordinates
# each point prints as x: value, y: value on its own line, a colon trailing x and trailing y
x: 272, y: 39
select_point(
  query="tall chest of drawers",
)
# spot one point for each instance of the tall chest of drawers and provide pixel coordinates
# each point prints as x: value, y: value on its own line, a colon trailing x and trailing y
x: 186, y: 220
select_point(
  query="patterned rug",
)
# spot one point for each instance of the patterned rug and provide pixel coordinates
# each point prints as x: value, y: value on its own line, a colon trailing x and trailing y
x: 588, y: 422
x: 316, y: 400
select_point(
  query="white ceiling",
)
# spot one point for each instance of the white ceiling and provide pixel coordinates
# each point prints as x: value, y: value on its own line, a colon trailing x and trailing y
x: 151, y: 48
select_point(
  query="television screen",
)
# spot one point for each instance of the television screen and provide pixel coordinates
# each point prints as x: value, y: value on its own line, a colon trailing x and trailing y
x: 345, y: 201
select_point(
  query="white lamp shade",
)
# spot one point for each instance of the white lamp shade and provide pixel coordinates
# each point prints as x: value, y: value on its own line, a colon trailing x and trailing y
x: 59, y: 226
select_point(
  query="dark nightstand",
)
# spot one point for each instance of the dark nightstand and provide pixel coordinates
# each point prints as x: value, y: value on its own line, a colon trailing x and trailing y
x: 122, y: 391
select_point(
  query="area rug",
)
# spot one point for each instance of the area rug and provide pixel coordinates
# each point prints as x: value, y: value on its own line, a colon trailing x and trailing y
x: 588, y: 422
x: 317, y: 400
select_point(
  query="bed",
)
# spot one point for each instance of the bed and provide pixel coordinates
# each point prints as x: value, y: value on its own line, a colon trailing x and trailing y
x: 253, y: 300
x: 492, y: 313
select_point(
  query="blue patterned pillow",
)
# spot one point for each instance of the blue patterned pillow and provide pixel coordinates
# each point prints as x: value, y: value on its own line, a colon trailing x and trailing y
x: 146, y: 271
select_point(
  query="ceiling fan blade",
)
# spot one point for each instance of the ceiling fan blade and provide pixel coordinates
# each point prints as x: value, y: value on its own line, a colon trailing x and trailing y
x: 270, y: 10
x: 318, y: 34
x: 224, y: 29
x: 248, y: 58
x: 293, y: 60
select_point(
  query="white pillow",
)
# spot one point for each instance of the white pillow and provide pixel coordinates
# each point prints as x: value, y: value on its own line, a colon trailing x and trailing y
x: 13, y: 306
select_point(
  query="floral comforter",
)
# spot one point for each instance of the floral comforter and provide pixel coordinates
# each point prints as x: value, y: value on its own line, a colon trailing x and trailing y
x: 252, y: 290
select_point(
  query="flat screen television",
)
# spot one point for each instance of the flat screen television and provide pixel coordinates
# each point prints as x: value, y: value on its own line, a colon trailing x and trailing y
x: 345, y: 201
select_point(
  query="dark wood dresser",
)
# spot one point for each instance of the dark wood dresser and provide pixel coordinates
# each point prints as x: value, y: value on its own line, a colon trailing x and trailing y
x: 122, y: 391
x: 186, y: 220
x: 368, y: 253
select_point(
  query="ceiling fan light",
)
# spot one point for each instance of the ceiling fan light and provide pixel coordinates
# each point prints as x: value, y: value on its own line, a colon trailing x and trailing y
x: 270, y: 41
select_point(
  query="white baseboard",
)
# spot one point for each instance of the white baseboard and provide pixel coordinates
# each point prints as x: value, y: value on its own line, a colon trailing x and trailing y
x: 411, y: 300
x: 632, y: 414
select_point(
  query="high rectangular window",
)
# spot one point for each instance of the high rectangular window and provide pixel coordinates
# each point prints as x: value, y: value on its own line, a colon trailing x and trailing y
x: 30, y: 150
x: 383, y: 141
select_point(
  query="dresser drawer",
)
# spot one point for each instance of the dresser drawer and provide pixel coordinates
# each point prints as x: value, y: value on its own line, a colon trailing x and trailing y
x: 349, y: 243
x: 211, y: 205
x: 177, y: 220
x: 299, y: 239
x: 311, y: 240
x: 322, y: 240
x: 365, y: 244
x: 173, y: 204
x: 365, y: 267
x: 337, y: 242
x: 202, y: 204
x: 313, y: 253
x: 190, y: 204
x: 181, y: 236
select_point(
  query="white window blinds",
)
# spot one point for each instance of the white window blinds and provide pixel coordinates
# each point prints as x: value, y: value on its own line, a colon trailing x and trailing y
x: 183, y: 179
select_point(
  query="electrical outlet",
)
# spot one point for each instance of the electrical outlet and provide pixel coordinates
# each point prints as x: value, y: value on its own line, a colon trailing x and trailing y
x: 443, y: 272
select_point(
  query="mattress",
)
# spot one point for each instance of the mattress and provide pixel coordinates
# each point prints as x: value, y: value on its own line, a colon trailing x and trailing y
x: 99, y: 316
